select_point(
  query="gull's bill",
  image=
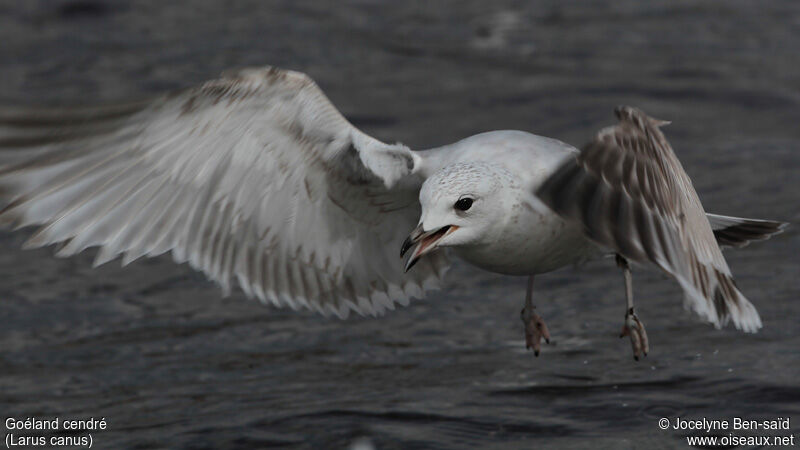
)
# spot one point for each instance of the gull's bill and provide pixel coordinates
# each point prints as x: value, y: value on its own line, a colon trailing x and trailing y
x: 423, y: 242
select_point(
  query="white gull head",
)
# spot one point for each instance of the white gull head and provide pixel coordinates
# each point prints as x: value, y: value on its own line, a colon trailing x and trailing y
x: 463, y: 205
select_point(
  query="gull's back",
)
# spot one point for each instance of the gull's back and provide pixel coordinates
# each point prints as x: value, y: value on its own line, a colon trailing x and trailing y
x: 531, y: 158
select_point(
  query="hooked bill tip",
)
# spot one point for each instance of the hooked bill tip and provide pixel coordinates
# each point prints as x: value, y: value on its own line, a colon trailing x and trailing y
x: 411, y: 262
x: 407, y: 244
x: 423, y: 242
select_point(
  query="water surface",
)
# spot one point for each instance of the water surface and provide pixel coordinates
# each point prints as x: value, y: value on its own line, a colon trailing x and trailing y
x: 155, y: 350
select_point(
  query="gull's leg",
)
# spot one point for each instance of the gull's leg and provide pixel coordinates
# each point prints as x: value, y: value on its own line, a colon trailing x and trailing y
x: 535, y: 329
x: 633, y: 326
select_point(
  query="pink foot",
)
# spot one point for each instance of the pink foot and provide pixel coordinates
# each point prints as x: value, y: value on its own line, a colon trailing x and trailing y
x: 635, y: 329
x: 535, y: 330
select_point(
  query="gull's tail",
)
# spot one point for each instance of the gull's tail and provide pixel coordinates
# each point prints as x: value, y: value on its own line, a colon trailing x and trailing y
x: 738, y: 231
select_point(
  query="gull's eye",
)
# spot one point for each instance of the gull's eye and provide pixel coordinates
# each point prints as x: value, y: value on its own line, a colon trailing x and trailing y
x: 463, y: 204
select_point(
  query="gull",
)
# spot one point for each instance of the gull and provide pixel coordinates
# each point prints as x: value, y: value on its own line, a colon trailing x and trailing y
x: 256, y: 177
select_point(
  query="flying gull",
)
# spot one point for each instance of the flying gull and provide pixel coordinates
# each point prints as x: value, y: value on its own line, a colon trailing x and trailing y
x: 257, y: 176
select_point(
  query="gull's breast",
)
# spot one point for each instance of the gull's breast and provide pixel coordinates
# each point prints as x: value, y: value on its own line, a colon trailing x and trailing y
x: 531, y: 242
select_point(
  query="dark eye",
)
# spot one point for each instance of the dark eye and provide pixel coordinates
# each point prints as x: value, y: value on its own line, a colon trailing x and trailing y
x: 463, y: 204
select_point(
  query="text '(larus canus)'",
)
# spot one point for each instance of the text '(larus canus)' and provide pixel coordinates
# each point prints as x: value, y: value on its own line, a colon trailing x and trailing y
x: 256, y: 176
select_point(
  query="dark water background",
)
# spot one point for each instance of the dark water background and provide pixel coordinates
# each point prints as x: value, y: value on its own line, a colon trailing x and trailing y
x: 169, y: 364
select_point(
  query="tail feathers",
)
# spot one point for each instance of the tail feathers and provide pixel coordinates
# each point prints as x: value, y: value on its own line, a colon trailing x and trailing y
x: 713, y: 295
x: 738, y: 231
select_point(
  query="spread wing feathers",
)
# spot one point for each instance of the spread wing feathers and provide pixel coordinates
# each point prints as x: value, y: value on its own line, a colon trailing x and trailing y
x: 630, y: 193
x: 739, y: 232
x: 254, y: 175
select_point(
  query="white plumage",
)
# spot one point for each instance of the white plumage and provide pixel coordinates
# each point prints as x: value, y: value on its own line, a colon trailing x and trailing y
x: 256, y: 176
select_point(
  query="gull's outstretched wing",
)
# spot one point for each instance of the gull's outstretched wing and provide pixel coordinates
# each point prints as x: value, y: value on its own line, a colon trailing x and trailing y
x: 254, y: 175
x: 630, y: 193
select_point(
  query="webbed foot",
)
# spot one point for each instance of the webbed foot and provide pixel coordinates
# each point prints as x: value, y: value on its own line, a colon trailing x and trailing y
x: 634, y: 328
